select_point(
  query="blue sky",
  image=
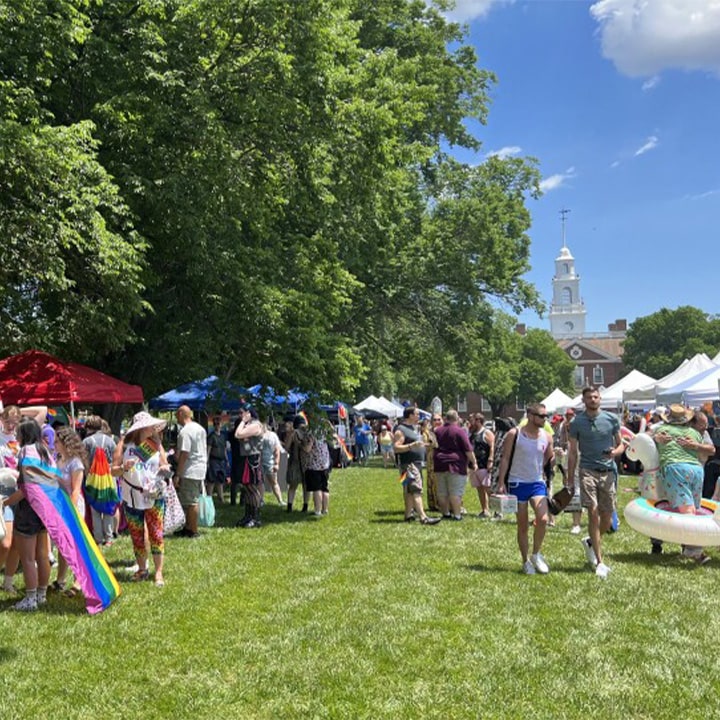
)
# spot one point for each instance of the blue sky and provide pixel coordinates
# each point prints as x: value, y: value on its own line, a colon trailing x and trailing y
x: 619, y: 100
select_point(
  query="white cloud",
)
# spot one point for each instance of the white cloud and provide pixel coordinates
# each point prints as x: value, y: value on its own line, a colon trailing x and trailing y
x: 653, y: 82
x: 650, y: 144
x: 553, y: 182
x: 505, y: 152
x: 702, y: 196
x: 467, y: 10
x: 615, y: 164
x: 645, y: 37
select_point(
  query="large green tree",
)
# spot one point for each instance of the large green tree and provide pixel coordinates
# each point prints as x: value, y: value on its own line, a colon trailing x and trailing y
x: 656, y: 344
x: 283, y: 165
x: 71, y: 259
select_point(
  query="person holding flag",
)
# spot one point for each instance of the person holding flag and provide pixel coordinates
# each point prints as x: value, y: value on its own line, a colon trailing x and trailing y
x: 410, y: 448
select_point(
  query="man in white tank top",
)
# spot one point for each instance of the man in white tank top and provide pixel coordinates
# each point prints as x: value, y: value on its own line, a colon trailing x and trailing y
x: 526, y: 450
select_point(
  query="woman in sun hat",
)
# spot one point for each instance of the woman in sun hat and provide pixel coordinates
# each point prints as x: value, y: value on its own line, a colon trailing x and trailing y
x: 678, y: 446
x: 141, y: 461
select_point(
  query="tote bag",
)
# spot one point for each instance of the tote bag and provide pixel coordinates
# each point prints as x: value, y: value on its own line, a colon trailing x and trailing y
x: 206, y: 509
x: 174, y: 514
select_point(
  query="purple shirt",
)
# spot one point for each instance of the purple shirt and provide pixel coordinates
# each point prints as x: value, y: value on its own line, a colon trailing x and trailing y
x: 451, y: 452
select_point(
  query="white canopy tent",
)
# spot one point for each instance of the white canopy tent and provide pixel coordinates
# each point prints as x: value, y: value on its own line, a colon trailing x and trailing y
x: 557, y: 400
x: 687, y: 369
x: 694, y: 391
x: 380, y: 405
x: 611, y: 398
x: 716, y: 359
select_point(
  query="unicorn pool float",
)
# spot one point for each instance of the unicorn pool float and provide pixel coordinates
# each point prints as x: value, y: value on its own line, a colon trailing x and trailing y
x: 651, y: 514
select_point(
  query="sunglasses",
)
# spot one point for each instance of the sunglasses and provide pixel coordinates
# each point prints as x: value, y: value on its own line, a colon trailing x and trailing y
x: 540, y: 415
x: 437, y: 419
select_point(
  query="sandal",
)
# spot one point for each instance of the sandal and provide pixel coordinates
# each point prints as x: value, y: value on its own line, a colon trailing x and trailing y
x: 70, y: 592
x: 139, y: 576
x: 57, y: 586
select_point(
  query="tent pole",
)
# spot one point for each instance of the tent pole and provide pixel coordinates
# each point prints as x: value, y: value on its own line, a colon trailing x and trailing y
x: 72, y: 414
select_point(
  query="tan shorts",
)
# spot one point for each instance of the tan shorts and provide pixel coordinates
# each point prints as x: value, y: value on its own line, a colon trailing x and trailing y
x: 597, y: 489
x: 188, y: 491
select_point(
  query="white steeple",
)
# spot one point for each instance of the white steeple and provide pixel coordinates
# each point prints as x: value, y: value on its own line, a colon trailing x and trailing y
x: 567, y: 312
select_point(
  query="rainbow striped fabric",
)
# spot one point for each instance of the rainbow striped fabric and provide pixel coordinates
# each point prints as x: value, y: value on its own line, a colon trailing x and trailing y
x: 68, y: 531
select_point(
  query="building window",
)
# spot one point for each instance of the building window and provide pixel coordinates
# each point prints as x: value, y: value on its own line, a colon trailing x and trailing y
x: 566, y: 296
x: 520, y: 405
x: 579, y: 376
x: 462, y: 403
x: 485, y: 406
x: 566, y: 268
x: 598, y: 375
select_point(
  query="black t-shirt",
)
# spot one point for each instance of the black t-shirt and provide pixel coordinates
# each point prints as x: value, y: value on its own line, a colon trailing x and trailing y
x: 414, y: 455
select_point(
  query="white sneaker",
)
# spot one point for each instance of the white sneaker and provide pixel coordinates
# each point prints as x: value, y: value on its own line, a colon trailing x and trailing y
x: 575, y: 530
x: 589, y: 552
x: 26, y: 605
x: 602, y: 571
x: 528, y: 568
x: 539, y: 563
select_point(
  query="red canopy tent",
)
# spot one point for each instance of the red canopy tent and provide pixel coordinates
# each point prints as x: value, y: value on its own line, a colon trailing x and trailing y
x: 36, y: 378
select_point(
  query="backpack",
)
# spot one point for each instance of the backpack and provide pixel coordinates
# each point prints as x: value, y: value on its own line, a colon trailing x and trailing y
x: 100, y: 486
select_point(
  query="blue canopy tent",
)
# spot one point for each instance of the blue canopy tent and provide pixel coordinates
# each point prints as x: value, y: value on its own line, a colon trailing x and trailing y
x: 210, y: 393
x: 293, y: 399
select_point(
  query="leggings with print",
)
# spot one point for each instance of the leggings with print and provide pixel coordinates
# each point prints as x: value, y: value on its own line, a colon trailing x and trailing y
x: 153, y: 518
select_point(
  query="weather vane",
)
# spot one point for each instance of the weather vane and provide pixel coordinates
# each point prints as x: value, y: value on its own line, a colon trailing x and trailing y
x: 563, y: 214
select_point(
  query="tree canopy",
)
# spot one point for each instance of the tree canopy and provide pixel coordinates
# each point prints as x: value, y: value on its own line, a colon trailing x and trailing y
x: 656, y: 344
x: 256, y: 188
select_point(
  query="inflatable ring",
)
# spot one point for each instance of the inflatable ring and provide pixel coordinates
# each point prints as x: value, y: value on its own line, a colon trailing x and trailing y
x: 645, y: 517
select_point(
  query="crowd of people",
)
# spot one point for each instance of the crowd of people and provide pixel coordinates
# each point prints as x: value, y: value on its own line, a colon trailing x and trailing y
x: 436, y: 458
x: 246, y: 457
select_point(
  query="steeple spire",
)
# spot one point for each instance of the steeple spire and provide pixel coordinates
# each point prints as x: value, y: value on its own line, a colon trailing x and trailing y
x: 563, y: 214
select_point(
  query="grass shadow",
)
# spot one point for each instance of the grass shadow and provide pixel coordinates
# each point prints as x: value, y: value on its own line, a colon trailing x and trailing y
x: 674, y: 560
x: 8, y: 654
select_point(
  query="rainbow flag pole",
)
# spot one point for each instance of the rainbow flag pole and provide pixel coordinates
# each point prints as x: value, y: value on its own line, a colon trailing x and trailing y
x: 70, y: 533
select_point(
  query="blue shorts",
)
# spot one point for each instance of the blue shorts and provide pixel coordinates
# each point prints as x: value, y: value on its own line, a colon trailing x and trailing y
x: 523, y: 491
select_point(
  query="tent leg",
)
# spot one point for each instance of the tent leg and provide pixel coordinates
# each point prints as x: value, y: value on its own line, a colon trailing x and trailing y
x: 72, y: 414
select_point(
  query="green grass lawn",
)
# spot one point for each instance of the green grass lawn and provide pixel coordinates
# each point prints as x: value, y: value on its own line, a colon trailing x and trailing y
x: 360, y: 615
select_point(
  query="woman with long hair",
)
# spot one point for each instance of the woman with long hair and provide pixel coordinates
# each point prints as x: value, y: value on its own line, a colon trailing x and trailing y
x: 73, y: 464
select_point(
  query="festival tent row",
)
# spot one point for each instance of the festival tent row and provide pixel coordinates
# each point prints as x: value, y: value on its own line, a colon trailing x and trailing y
x: 37, y: 378
x: 212, y: 393
x: 694, y: 391
x: 687, y: 369
x: 612, y: 397
x: 199, y: 394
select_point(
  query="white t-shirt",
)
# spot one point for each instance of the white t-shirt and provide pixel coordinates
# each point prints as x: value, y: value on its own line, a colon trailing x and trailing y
x: 192, y: 439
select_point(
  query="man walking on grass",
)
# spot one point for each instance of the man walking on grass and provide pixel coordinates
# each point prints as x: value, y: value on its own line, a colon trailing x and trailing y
x: 595, y: 433
x: 526, y: 451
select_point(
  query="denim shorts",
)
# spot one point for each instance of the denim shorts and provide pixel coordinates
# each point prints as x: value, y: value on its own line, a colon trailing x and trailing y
x: 523, y: 491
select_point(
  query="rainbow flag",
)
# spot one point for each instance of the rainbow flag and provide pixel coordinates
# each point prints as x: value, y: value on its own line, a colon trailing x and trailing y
x: 348, y: 454
x: 404, y: 480
x: 69, y: 532
x: 145, y: 450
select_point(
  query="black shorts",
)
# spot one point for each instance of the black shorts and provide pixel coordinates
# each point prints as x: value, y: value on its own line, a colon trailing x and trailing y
x: 27, y: 521
x: 316, y: 480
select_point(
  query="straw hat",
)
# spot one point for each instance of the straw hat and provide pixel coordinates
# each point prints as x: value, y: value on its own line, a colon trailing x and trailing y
x: 678, y: 415
x: 144, y: 420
